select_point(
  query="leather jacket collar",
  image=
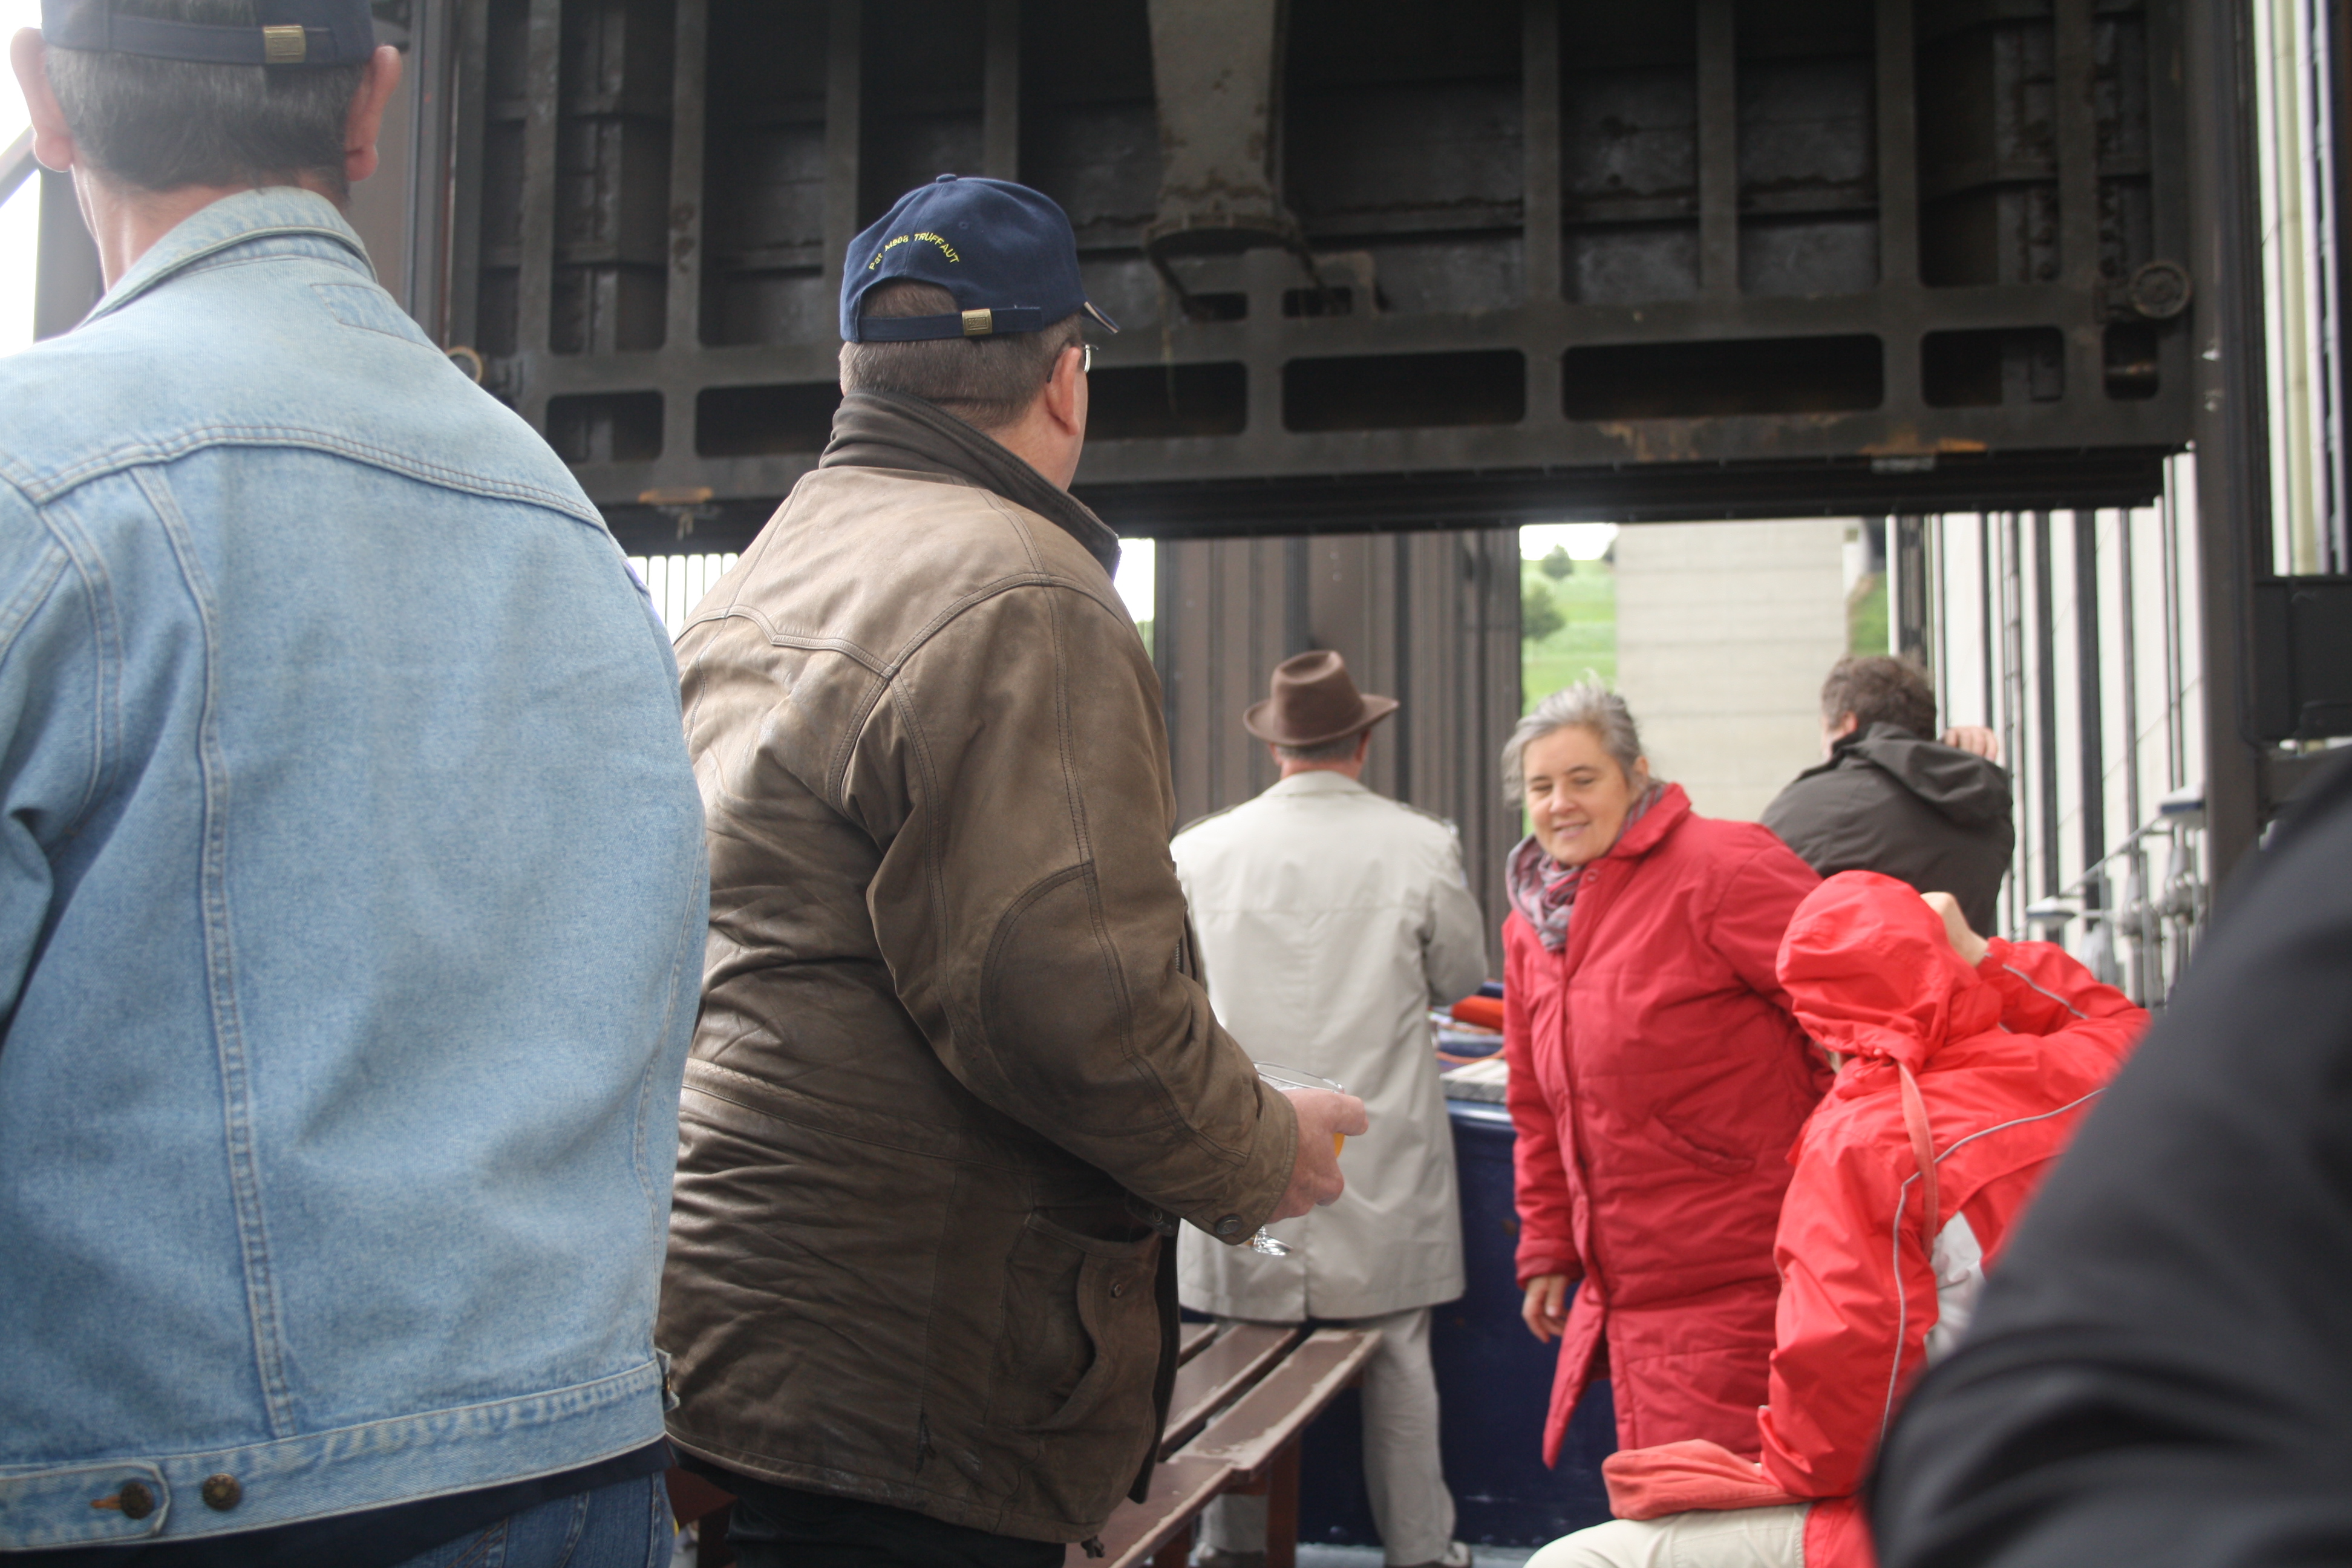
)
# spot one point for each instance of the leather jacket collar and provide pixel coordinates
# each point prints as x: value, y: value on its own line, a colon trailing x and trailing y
x: 893, y: 430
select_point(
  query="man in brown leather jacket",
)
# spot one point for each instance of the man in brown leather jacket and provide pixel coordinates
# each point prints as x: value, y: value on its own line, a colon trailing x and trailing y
x: 956, y: 1081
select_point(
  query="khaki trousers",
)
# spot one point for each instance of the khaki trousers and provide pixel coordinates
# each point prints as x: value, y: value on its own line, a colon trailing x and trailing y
x: 1734, y: 1538
x: 1411, y: 1505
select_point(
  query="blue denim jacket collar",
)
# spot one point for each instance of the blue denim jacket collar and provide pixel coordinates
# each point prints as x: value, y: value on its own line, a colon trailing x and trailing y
x: 266, y: 212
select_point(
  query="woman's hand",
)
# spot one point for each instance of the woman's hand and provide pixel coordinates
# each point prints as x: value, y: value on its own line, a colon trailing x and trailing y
x: 1545, y: 1308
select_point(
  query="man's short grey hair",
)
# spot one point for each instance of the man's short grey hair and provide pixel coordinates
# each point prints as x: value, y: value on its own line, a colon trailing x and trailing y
x: 157, y: 125
x: 1339, y: 750
x: 1588, y: 705
x: 988, y: 382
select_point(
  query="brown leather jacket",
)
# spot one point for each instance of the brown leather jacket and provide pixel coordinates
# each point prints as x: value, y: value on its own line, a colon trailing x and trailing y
x: 954, y: 1079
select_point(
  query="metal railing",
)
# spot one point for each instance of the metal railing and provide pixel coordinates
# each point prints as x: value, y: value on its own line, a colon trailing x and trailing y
x: 2138, y: 928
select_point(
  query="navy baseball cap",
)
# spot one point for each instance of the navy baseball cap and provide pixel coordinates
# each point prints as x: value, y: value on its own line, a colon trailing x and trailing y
x: 288, y: 33
x: 1004, y: 251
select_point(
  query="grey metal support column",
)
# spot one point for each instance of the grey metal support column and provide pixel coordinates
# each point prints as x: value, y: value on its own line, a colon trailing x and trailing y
x: 2045, y: 703
x: 689, y: 118
x: 1906, y: 564
x: 1718, y: 150
x: 2078, y: 186
x: 66, y: 280
x: 1898, y: 192
x: 845, y: 115
x: 535, y: 290
x: 1539, y: 201
x: 1987, y: 593
x: 2090, y: 715
x: 432, y: 63
x: 1000, y: 93
x: 469, y: 82
x: 2231, y: 439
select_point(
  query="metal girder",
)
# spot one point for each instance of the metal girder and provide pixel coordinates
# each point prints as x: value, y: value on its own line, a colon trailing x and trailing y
x: 1557, y: 237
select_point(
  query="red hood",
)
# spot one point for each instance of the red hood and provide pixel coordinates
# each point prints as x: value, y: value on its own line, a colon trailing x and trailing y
x: 1869, y: 972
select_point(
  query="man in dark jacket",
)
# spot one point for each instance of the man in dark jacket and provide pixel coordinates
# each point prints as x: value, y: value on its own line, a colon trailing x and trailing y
x: 1933, y: 812
x: 955, y: 1080
x: 2160, y: 1370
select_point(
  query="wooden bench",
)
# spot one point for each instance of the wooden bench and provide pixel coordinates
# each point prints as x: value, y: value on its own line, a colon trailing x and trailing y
x: 1244, y: 1395
x: 1243, y: 1399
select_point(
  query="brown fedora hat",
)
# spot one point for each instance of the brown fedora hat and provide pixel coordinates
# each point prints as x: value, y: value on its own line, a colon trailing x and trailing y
x: 1314, y: 701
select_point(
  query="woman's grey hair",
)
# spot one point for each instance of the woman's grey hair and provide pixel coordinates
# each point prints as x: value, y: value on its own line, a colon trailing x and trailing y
x: 161, y: 124
x: 1587, y: 704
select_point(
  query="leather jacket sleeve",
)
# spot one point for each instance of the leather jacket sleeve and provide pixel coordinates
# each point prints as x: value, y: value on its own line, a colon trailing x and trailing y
x: 1013, y: 770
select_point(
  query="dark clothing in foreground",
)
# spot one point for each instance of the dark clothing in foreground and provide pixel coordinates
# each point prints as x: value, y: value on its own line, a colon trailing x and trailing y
x: 778, y: 1527
x: 1887, y: 801
x: 2161, y: 1370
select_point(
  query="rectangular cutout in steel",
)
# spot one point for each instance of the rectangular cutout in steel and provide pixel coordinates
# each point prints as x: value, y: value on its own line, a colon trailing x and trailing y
x: 606, y: 428
x: 1134, y: 402
x: 1991, y: 366
x: 764, y: 421
x: 1405, y: 392
x: 1712, y: 380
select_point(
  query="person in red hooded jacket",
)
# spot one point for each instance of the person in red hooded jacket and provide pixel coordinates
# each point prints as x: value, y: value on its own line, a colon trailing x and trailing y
x: 1966, y: 1064
x: 1657, y: 1078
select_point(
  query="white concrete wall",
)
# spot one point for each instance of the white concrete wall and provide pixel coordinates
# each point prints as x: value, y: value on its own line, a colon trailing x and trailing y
x: 1725, y: 631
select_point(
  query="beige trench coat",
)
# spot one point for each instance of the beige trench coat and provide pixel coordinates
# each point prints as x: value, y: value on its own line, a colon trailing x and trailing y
x: 1331, y: 920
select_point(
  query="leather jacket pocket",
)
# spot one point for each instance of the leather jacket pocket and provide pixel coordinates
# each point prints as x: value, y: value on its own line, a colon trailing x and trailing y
x: 1081, y: 1337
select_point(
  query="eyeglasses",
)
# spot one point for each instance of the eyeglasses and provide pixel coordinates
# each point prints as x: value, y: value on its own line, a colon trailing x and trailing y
x: 1087, y: 362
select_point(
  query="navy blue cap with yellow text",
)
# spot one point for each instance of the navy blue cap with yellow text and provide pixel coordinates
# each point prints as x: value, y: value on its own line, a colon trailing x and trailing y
x: 285, y: 32
x: 1004, y: 251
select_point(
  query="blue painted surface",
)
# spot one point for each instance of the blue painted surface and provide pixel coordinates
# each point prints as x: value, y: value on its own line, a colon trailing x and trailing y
x: 1494, y: 1383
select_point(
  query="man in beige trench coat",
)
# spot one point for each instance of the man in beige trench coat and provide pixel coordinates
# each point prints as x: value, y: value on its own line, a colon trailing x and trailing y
x: 1331, y: 920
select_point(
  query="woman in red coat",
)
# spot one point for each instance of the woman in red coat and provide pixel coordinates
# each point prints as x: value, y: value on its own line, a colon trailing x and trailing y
x: 1657, y: 1078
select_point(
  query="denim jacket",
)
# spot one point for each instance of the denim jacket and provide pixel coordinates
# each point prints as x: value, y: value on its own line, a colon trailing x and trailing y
x: 352, y: 911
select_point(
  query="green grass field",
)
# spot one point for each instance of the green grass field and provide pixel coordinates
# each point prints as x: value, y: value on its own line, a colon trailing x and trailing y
x: 1588, y: 641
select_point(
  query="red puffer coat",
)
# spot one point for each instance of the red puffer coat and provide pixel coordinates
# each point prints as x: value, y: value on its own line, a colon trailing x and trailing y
x: 2008, y: 1059
x: 1657, y: 1082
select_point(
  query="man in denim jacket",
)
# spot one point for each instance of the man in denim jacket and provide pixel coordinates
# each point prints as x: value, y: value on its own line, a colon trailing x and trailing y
x: 352, y: 878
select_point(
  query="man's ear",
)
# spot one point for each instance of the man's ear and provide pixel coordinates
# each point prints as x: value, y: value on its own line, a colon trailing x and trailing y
x: 53, y: 144
x: 379, y: 80
x: 1065, y: 393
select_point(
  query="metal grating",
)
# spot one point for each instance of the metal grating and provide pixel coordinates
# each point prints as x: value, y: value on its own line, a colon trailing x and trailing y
x: 1554, y: 251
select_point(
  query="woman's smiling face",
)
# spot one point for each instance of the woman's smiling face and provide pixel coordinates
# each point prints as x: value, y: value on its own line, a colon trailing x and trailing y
x: 1577, y: 795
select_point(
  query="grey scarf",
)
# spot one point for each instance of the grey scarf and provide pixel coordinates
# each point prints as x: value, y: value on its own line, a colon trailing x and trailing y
x: 892, y: 430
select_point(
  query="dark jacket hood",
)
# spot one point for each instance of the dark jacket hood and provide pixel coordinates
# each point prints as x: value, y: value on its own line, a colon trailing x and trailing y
x: 1965, y: 788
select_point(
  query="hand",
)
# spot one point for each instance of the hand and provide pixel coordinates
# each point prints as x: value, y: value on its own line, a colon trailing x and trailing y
x: 1545, y: 1308
x: 1965, y: 941
x: 1974, y: 738
x: 1323, y: 1118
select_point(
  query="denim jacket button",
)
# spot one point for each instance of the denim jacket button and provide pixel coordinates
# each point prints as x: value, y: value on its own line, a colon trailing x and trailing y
x: 222, y: 1493
x: 135, y: 1501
